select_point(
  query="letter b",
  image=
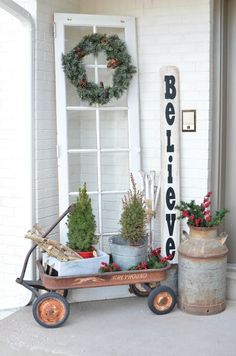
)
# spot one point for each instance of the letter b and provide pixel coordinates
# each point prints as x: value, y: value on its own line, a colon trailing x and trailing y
x: 170, y: 87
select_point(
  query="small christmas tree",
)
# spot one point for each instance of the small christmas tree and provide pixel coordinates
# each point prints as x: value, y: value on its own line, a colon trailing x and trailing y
x: 81, y: 223
x: 133, y: 217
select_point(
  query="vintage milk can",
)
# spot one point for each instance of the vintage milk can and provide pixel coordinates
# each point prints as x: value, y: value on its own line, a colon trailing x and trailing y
x: 202, y: 271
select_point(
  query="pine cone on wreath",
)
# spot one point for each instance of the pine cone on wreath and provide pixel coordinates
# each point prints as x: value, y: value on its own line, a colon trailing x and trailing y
x: 113, y: 63
x: 83, y: 83
x: 101, y: 84
x: 104, y: 40
x: 79, y: 52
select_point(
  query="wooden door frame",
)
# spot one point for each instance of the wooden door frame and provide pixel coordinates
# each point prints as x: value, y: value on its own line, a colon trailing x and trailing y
x: 128, y: 24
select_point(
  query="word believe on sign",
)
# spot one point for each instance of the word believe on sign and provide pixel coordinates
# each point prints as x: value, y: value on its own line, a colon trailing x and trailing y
x: 170, y: 165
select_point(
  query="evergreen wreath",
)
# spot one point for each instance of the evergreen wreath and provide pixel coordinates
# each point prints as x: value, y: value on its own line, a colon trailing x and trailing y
x: 117, y: 58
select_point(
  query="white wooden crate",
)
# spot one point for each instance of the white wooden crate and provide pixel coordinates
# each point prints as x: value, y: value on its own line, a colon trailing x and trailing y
x: 77, y: 267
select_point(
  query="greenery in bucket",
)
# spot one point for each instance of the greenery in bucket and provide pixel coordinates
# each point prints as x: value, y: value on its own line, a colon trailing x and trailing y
x: 81, y: 223
x: 133, y: 217
x: 154, y: 261
x: 200, y: 215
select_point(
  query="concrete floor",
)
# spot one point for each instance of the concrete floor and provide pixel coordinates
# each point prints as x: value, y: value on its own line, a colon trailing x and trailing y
x: 122, y: 327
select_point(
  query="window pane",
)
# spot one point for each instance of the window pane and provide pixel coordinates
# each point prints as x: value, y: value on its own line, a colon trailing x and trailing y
x: 111, y: 208
x: 81, y: 129
x: 94, y: 201
x: 82, y: 168
x: 72, y: 97
x: 109, y: 31
x: 73, y: 35
x: 122, y: 101
x: 115, y: 171
x: 105, y: 75
x: 114, y: 129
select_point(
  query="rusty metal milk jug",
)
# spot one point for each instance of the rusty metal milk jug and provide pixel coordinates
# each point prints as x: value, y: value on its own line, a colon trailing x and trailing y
x: 202, y: 272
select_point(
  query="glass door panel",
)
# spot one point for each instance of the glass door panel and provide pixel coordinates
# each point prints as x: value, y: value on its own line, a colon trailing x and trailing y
x: 114, y: 129
x: 73, y: 35
x: 105, y: 76
x: 82, y: 168
x: 81, y: 130
x: 109, y: 31
x: 111, y: 207
x: 115, y: 171
x: 121, y: 102
x: 72, y: 97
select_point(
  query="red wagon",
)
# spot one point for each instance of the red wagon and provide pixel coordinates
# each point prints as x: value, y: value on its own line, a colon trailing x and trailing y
x: 51, y: 309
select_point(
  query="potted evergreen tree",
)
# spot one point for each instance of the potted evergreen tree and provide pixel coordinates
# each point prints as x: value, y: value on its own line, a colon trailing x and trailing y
x: 130, y: 248
x: 81, y: 238
x: 82, y: 226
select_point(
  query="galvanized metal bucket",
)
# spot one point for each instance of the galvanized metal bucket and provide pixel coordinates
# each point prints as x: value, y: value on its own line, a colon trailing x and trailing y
x: 202, y: 272
x: 126, y: 255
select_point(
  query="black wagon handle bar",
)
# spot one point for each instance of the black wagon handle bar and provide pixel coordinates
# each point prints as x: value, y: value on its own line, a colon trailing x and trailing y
x: 68, y: 210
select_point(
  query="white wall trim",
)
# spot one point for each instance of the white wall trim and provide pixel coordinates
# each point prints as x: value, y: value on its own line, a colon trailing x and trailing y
x: 27, y: 20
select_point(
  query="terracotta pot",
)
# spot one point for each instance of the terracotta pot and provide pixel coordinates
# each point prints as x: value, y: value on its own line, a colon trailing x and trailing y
x: 86, y: 254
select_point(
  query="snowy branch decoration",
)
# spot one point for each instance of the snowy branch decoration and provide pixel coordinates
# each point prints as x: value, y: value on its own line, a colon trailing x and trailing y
x: 117, y: 58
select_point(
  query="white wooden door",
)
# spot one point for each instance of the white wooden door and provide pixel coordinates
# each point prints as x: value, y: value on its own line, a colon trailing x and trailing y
x: 98, y: 145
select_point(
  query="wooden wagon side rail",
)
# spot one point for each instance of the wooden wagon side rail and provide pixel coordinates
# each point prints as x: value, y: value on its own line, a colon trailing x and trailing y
x: 102, y: 279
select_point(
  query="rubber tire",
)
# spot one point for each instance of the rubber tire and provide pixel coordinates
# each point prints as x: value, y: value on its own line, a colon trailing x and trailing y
x: 135, y: 290
x: 64, y: 292
x: 154, y: 293
x: 55, y: 296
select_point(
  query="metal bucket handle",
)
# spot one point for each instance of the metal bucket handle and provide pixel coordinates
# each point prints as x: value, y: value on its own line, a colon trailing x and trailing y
x: 222, y: 237
x: 184, y: 236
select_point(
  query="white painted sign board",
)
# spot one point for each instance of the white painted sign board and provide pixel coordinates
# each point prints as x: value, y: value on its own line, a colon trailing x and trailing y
x: 170, y: 160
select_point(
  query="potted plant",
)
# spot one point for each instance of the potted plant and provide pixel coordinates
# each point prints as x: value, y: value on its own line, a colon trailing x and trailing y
x: 81, y: 238
x: 82, y: 226
x: 130, y: 248
x: 200, y: 215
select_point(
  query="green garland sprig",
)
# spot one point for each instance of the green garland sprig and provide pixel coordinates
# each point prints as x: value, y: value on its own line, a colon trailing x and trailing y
x: 117, y: 58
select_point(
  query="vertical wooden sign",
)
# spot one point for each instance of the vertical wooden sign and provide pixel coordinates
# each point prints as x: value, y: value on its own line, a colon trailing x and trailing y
x: 170, y: 160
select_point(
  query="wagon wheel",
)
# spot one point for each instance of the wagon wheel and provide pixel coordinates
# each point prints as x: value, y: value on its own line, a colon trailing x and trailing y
x: 139, y: 290
x: 162, y: 300
x: 51, y: 310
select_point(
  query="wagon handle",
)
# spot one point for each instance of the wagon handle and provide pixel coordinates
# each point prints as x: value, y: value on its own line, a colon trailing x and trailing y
x: 68, y: 210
